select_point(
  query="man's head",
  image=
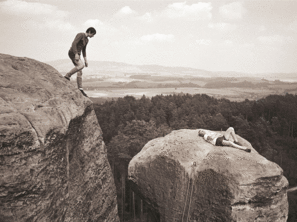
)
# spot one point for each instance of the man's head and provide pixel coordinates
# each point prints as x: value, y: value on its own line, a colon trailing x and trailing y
x: 91, y: 32
x: 201, y: 132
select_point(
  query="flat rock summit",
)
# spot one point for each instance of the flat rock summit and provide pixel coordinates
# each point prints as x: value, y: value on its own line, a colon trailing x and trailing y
x: 53, y: 161
x: 184, y: 178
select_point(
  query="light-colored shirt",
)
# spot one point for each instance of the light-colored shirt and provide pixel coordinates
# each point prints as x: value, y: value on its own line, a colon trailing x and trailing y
x: 211, y: 137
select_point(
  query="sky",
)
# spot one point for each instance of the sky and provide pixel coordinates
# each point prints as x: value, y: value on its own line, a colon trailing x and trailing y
x: 252, y: 36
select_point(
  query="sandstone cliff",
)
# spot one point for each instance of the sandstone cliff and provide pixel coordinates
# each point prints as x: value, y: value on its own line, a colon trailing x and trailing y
x: 183, y: 178
x: 53, y: 161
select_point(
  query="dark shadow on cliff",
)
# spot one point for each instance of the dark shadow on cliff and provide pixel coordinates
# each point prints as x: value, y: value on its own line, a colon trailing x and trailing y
x: 212, y: 197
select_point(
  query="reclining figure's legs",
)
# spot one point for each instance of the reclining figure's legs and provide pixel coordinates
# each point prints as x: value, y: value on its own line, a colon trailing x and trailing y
x: 230, y: 135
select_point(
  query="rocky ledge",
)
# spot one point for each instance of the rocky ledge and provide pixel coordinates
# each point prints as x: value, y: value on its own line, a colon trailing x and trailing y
x: 184, y: 178
x: 53, y: 161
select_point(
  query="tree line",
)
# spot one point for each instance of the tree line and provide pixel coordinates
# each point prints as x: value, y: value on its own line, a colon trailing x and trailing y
x: 269, y: 124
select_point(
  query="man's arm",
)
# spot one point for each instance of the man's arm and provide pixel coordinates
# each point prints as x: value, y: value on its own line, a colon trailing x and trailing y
x: 85, y: 55
x: 84, y: 51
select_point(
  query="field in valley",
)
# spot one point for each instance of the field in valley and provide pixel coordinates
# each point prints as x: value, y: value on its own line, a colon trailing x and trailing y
x: 106, y: 80
x: 233, y: 94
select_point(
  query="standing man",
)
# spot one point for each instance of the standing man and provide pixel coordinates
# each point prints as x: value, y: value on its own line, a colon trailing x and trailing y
x: 79, y: 45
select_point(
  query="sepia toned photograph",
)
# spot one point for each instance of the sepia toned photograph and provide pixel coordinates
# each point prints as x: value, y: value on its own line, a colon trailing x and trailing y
x: 148, y: 111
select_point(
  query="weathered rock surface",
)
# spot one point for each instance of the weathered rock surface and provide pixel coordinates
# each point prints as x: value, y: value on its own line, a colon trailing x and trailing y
x: 53, y: 161
x: 223, y: 184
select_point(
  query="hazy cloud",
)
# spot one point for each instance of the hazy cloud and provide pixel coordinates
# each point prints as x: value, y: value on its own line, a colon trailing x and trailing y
x: 197, y: 11
x: 39, y: 14
x: 93, y: 22
x: 126, y: 11
x: 222, y: 26
x: 147, y: 17
x: 262, y: 28
x: 228, y: 43
x: 275, y: 39
x: 236, y: 45
x: 203, y: 41
x: 101, y: 27
x: 19, y: 7
x: 293, y: 26
x: 158, y: 38
x: 234, y: 10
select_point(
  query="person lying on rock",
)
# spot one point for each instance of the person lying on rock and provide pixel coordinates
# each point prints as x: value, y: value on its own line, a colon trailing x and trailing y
x: 79, y: 45
x: 227, y: 138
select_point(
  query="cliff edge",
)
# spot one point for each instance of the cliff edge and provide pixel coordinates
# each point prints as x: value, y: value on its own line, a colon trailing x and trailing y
x: 53, y: 161
x: 184, y: 178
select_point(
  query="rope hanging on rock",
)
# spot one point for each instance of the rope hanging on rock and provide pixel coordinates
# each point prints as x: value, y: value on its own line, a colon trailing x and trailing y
x: 186, y: 200
x: 190, y: 199
x: 194, y: 164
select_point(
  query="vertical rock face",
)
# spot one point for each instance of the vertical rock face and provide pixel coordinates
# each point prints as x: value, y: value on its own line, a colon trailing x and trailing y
x: 184, y: 178
x: 53, y: 162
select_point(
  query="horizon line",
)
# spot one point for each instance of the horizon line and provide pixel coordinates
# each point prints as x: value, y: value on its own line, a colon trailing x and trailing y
x: 253, y: 73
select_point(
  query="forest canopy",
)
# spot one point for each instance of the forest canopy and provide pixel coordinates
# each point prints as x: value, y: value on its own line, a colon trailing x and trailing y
x: 269, y: 124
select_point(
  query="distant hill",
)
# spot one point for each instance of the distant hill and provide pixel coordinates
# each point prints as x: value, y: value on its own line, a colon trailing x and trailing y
x: 110, y: 69
x: 119, y: 68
